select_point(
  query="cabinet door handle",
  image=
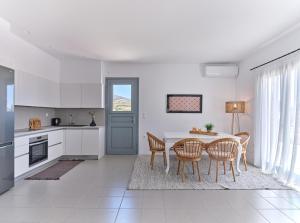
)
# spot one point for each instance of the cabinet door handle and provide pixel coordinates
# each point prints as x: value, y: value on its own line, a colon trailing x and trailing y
x: 55, y: 144
x: 21, y: 155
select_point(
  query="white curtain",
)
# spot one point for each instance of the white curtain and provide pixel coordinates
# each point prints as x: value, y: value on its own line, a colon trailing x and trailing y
x: 277, y: 121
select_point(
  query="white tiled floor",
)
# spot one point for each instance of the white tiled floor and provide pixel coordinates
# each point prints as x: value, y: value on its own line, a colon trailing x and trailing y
x: 95, y: 191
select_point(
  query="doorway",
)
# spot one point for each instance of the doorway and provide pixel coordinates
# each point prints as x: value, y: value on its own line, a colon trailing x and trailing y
x: 121, y: 115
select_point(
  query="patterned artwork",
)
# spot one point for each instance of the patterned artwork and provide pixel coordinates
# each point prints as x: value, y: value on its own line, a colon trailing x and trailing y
x: 184, y: 103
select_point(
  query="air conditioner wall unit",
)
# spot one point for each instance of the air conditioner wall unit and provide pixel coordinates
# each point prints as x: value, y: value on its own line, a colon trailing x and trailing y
x: 221, y: 70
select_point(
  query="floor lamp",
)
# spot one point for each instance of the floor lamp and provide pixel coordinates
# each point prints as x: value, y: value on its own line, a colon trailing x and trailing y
x: 235, y: 107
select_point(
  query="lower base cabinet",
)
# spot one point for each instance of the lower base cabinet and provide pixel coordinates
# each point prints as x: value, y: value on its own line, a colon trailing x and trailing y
x: 21, y: 165
x: 55, y: 151
x: 85, y: 142
x: 73, y: 142
x: 90, y: 142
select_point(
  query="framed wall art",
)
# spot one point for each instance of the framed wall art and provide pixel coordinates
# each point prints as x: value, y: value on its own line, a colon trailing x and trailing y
x: 184, y: 103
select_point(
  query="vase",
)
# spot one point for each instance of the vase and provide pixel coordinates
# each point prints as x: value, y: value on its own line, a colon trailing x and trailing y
x: 93, y: 123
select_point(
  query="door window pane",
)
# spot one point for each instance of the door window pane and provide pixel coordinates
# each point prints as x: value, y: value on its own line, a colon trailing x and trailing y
x: 121, y: 98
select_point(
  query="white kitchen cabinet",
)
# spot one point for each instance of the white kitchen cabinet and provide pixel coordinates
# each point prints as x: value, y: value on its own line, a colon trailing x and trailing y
x: 87, y: 142
x: 73, y: 141
x: 21, y: 155
x: 21, y: 146
x: 91, y: 96
x: 70, y: 95
x: 32, y: 90
x: 55, y: 151
x: 55, y: 144
x: 81, y: 95
x: 21, y: 165
x: 20, y: 141
x: 25, y: 89
x: 50, y: 94
x: 90, y: 142
x: 55, y: 137
x: 21, y: 150
x: 19, y: 89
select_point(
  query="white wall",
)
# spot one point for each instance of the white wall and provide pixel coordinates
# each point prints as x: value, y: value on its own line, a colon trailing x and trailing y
x: 158, y: 80
x: 80, y: 70
x: 246, y: 79
x: 23, y: 56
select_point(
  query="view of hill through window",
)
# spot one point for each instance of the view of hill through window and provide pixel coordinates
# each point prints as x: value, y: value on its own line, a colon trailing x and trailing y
x: 122, y: 98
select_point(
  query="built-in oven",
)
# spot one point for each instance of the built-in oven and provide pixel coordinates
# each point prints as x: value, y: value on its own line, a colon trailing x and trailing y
x: 38, y: 149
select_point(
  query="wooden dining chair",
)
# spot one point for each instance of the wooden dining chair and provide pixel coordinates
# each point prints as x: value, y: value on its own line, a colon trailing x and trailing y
x: 222, y: 150
x: 156, y: 145
x: 188, y: 150
x: 245, y: 137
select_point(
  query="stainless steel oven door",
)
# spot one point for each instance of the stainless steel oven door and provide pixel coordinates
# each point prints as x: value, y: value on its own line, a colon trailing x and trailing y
x: 38, y: 151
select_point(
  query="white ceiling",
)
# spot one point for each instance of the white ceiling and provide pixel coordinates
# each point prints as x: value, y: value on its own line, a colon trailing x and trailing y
x: 163, y: 31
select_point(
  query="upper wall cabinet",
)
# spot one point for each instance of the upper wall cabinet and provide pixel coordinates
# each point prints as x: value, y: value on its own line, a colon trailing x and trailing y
x: 31, y: 90
x: 81, y: 95
x: 70, y: 95
x: 91, y: 96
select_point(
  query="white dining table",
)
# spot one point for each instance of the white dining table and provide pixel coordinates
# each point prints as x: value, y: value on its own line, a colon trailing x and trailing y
x: 172, y: 137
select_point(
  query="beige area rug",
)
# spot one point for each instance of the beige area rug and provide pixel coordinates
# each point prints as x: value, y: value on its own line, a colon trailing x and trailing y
x: 144, y: 178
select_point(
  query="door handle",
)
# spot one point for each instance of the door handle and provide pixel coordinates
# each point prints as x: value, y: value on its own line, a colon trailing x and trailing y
x: 3, y: 147
x: 6, y: 145
x: 133, y: 120
x: 38, y: 143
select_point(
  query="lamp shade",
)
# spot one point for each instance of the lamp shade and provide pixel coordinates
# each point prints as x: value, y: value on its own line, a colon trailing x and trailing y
x: 235, y: 107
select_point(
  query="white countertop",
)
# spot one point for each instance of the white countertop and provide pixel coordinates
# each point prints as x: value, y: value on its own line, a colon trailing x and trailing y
x: 24, y: 132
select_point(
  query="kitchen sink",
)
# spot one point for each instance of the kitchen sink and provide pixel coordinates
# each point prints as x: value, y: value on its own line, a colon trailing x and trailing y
x: 73, y: 125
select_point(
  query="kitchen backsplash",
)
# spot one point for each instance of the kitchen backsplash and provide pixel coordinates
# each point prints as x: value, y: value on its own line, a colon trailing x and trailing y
x: 23, y: 114
x: 80, y: 116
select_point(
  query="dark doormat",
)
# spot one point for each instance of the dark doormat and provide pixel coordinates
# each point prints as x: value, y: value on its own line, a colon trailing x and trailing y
x: 56, y: 171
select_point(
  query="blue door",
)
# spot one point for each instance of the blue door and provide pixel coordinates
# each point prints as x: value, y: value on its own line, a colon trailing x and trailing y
x: 121, y: 103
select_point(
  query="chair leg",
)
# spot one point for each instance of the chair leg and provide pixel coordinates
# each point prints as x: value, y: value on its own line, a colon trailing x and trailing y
x: 193, y: 167
x: 232, y: 170
x: 209, y: 166
x: 217, y: 171
x: 182, y: 171
x: 152, y: 160
x: 178, y: 167
x: 197, y: 163
x: 165, y: 158
x: 224, y: 165
x: 245, y: 161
